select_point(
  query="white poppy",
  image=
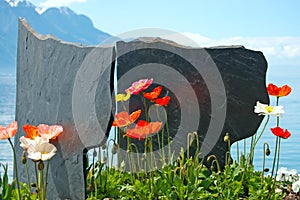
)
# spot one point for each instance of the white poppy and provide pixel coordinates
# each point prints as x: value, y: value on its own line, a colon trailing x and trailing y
x: 41, y: 151
x: 26, y: 142
x: 296, y: 186
x: 264, y: 109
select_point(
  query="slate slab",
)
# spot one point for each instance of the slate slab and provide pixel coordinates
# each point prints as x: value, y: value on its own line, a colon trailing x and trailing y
x: 67, y: 84
x: 212, y: 90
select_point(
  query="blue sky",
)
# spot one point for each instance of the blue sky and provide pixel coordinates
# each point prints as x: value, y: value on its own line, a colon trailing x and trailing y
x: 269, y: 26
x: 215, y: 19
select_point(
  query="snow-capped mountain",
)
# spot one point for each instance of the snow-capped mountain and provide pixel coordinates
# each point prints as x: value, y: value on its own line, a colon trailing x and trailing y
x: 62, y: 22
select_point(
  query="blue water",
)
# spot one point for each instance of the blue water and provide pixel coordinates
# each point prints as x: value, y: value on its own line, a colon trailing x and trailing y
x: 290, y: 148
x: 7, y: 115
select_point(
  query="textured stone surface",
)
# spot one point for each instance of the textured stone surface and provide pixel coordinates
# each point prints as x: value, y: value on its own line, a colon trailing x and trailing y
x: 57, y: 83
x: 213, y: 90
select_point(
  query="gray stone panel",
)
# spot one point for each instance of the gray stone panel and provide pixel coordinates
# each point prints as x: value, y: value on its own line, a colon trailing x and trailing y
x: 213, y: 90
x: 57, y: 83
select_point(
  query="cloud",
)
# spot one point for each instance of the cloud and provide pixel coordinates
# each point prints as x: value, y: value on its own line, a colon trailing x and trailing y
x: 58, y: 3
x: 277, y: 50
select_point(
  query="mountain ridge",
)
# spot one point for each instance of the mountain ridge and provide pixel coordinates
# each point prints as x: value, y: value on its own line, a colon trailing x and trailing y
x: 63, y: 23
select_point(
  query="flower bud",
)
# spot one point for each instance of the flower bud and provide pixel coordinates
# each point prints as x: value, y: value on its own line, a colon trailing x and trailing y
x: 24, y: 159
x: 103, y: 147
x: 41, y: 165
x: 114, y: 149
x: 33, y: 184
x: 94, y: 153
x: 226, y: 138
x: 266, y: 169
x: 268, y: 152
x: 104, y: 160
x: 91, y: 187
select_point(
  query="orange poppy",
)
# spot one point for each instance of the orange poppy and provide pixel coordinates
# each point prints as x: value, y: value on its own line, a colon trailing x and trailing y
x: 143, y: 129
x: 31, y: 131
x: 280, y: 132
x: 154, y: 94
x: 279, y: 91
x: 123, y: 119
x: 162, y: 101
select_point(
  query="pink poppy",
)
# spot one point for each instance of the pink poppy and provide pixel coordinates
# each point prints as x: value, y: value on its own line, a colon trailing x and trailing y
x: 8, y: 132
x: 49, y: 132
x: 139, y: 86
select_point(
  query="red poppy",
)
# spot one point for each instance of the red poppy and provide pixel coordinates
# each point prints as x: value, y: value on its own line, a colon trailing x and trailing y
x: 154, y: 94
x: 143, y: 129
x: 139, y: 86
x: 162, y: 101
x: 279, y: 91
x: 280, y: 132
x: 31, y: 131
x: 124, y: 119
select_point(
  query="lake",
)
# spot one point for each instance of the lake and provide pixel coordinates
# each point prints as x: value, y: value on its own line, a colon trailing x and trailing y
x: 278, y: 75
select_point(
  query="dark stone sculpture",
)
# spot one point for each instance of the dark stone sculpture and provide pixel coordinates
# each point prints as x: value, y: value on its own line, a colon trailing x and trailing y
x: 213, y: 90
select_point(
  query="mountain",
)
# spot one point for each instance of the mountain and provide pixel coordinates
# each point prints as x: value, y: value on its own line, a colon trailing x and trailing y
x: 62, y: 22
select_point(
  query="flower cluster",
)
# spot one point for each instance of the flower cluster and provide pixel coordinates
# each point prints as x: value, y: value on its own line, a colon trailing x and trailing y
x: 37, y: 144
x: 37, y: 141
x: 278, y: 111
x: 283, y: 174
x: 142, y: 129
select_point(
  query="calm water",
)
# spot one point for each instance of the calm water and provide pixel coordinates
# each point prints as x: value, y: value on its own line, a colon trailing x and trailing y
x: 7, y: 115
x: 290, y: 148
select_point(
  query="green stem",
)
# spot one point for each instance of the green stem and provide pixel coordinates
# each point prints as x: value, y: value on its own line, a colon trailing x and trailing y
x: 265, y: 125
x: 119, y: 143
x: 278, y: 156
x: 255, y: 142
x: 36, y: 172
x: 264, y: 162
x: 277, y: 141
x: 238, y: 151
x: 146, y: 109
x: 275, y: 154
x: 277, y: 151
x: 245, y: 145
x: 129, y: 151
x: 161, y: 146
x: 16, y: 168
x: 277, y: 103
x: 46, y: 179
x: 27, y: 174
x: 41, y: 188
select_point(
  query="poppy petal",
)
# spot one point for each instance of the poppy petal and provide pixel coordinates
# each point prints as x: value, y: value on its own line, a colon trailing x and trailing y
x: 135, y: 115
x: 31, y: 131
x: 154, y: 94
x: 285, y: 90
x: 274, y: 90
x: 163, y: 101
x: 280, y: 132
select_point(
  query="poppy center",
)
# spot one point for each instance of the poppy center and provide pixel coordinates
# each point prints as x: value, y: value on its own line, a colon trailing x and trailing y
x: 269, y: 109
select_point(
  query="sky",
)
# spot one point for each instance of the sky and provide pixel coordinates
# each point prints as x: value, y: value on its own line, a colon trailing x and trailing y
x: 271, y: 26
